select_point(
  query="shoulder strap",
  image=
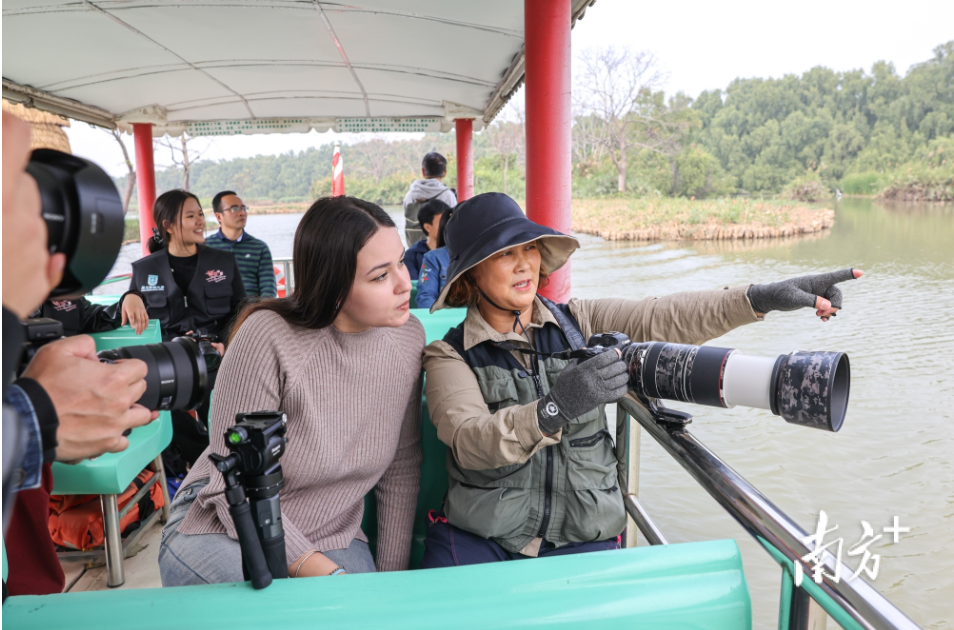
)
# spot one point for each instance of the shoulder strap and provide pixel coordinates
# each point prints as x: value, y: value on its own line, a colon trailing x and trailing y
x: 455, y: 339
x: 434, y: 197
x: 567, y: 322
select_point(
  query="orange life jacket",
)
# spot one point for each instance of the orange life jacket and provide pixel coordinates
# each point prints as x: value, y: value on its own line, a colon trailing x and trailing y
x: 76, y: 520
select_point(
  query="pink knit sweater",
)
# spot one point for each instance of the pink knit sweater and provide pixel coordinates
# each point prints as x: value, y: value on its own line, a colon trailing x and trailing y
x: 354, y: 410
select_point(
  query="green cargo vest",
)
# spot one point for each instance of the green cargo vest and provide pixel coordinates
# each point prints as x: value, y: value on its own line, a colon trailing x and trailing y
x: 565, y: 493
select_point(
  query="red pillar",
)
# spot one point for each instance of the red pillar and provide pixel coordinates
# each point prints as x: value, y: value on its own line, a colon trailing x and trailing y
x: 465, y: 158
x: 547, y: 42
x: 145, y: 182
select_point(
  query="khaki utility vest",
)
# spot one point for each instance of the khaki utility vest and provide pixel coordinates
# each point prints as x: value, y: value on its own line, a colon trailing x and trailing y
x: 565, y: 493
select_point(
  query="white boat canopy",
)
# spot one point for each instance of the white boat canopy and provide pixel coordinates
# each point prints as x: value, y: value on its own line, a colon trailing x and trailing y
x: 224, y: 67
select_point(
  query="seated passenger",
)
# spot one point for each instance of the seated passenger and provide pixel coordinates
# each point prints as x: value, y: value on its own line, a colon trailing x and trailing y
x: 434, y: 268
x: 429, y: 217
x: 532, y: 466
x: 188, y: 287
x: 252, y: 255
x: 433, y: 170
x: 342, y: 358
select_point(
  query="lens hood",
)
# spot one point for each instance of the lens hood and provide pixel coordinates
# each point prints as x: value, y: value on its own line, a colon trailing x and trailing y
x: 84, y: 217
x: 811, y: 389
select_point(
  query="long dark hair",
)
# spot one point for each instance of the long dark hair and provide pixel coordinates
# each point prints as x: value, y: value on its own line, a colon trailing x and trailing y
x: 326, y: 248
x: 445, y: 217
x: 168, y: 209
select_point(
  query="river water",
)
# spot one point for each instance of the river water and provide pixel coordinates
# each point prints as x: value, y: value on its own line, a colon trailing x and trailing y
x: 893, y: 457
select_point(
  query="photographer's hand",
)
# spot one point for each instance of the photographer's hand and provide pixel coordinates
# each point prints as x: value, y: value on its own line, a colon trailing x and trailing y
x: 816, y: 291
x: 581, y: 388
x: 95, y: 402
x: 29, y: 272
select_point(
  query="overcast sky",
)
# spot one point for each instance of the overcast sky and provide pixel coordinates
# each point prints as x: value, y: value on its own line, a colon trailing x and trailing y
x: 700, y: 44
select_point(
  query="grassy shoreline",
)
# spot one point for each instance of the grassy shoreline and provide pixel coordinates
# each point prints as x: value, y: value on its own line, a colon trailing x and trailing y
x: 652, y: 219
x: 665, y: 219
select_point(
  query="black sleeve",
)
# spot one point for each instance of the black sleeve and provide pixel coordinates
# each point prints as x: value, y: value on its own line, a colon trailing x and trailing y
x: 45, y: 416
x: 13, y: 338
x: 96, y: 318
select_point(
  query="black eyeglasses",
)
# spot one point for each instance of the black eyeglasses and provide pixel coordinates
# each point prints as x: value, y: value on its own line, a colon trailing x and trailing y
x: 235, y: 209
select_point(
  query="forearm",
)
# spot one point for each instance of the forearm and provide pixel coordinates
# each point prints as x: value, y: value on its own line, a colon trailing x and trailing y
x: 691, y: 318
x: 396, y: 495
x: 479, y: 439
x: 397, y: 491
x: 38, y: 423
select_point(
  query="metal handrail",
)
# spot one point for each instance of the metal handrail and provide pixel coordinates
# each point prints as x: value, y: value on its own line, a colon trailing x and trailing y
x: 288, y: 271
x: 855, y: 601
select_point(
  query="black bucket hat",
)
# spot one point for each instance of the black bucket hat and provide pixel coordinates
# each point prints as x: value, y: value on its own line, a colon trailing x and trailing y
x: 492, y: 222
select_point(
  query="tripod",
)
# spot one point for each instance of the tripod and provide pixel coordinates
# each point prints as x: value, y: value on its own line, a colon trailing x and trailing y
x: 252, y: 471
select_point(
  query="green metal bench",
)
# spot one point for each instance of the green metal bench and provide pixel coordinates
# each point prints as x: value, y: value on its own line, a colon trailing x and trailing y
x: 109, y: 475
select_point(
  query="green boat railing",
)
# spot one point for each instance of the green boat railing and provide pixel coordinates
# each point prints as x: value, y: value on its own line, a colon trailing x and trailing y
x: 123, y: 277
x: 852, y: 604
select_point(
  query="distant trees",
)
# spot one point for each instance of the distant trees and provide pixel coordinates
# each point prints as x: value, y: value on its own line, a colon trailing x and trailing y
x: 822, y: 129
x: 615, y: 97
x: 183, y: 156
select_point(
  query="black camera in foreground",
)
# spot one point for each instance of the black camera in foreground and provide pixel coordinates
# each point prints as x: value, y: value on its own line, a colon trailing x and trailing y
x: 806, y: 388
x: 84, y: 217
x: 252, y: 471
x: 178, y: 370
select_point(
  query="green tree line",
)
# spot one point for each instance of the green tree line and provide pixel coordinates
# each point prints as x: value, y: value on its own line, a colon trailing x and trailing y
x: 859, y: 131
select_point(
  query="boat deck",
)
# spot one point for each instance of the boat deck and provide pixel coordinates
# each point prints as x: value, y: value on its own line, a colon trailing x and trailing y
x: 142, y: 569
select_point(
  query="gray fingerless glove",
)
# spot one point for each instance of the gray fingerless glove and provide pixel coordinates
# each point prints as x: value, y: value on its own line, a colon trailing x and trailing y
x: 581, y: 388
x: 796, y: 293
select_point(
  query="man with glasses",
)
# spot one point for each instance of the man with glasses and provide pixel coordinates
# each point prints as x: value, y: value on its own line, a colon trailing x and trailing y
x: 253, y: 256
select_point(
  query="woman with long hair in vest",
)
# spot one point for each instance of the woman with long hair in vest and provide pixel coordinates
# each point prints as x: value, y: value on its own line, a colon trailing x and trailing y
x: 189, y: 288
x: 532, y: 467
x: 341, y: 357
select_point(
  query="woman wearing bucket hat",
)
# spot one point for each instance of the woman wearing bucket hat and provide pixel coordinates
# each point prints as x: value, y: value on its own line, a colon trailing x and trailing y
x: 532, y: 465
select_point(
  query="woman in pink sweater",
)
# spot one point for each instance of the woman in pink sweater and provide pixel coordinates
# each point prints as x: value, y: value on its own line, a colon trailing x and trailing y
x: 342, y: 358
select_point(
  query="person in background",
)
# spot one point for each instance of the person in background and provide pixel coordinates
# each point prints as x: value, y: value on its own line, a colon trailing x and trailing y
x: 433, y: 170
x: 429, y: 218
x: 188, y: 287
x: 434, y: 267
x: 341, y: 357
x: 251, y: 254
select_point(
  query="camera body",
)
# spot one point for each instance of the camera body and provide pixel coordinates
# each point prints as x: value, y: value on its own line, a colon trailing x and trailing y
x: 204, y: 342
x: 38, y: 332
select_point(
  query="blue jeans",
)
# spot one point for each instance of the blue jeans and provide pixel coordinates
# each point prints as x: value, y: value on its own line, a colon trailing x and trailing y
x: 186, y: 559
x: 449, y: 546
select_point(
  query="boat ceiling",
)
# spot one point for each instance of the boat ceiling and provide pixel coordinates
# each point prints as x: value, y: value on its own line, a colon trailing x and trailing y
x: 212, y: 67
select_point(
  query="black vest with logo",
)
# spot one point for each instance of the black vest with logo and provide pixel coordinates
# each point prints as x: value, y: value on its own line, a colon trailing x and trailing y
x: 565, y: 493
x: 206, y: 306
x: 80, y: 316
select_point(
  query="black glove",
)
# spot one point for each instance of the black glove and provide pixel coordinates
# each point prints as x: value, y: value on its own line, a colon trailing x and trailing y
x: 581, y: 388
x: 796, y: 293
